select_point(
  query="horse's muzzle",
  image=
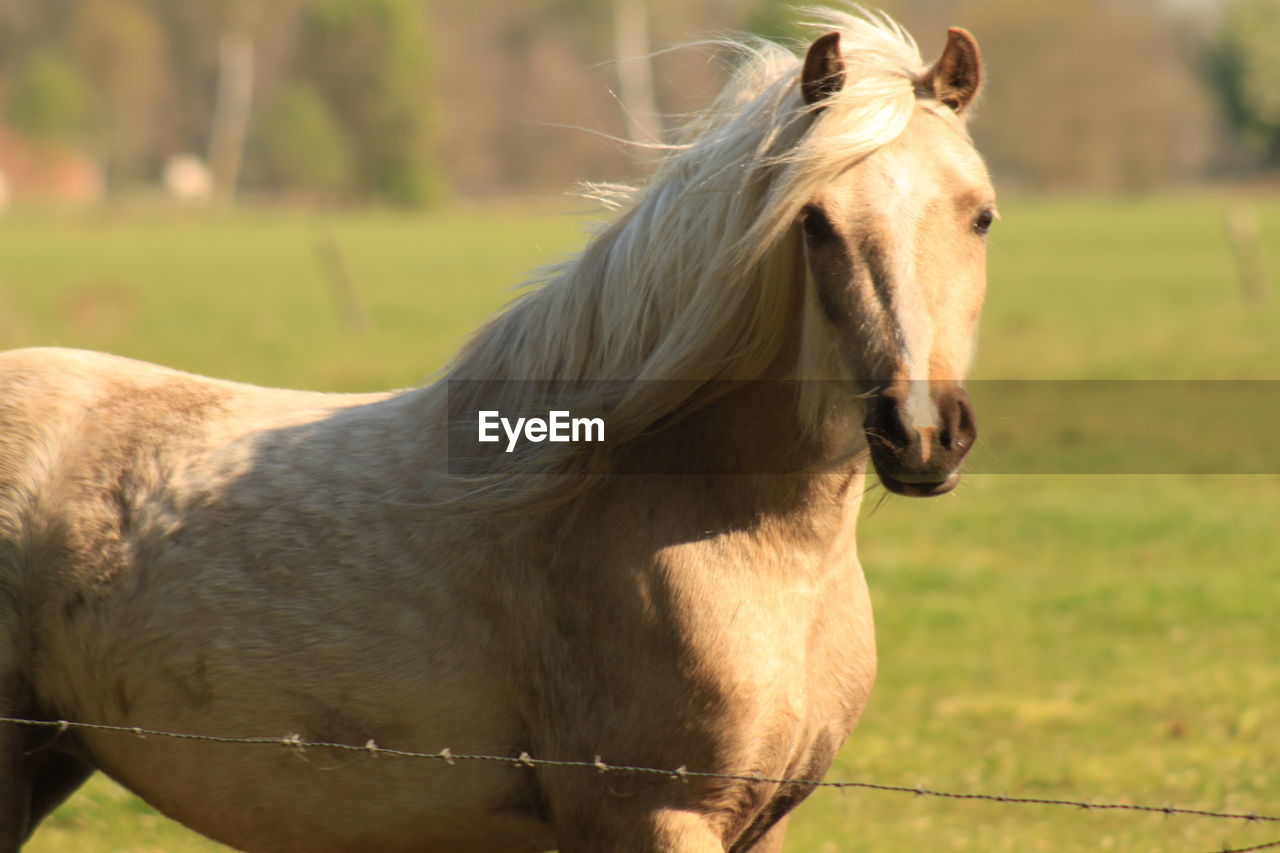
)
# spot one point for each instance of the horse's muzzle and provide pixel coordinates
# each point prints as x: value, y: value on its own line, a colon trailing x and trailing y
x: 920, y: 461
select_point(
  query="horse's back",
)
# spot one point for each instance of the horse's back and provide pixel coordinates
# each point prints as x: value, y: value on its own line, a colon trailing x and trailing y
x: 103, y: 459
x: 115, y: 476
x: 79, y: 429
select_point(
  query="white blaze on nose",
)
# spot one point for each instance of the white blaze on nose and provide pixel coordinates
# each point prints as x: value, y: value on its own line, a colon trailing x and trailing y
x: 918, y: 410
x: 914, y: 320
x: 921, y: 414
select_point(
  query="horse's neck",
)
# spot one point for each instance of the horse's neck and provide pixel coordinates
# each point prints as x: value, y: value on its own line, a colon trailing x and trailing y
x: 765, y: 466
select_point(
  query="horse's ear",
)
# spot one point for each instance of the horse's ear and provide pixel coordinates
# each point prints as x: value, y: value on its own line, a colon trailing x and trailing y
x: 823, y: 73
x: 954, y: 79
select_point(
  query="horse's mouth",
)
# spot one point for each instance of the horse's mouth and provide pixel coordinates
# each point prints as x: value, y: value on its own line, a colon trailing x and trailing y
x: 918, y: 489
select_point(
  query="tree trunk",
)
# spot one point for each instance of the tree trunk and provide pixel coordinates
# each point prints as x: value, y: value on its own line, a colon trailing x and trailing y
x: 635, y: 72
x: 231, y: 111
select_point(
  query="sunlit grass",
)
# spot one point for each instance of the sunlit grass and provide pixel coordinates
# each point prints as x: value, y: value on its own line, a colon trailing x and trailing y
x: 104, y: 818
x: 1100, y: 638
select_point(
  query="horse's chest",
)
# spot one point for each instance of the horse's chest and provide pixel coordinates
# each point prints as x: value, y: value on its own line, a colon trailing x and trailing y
x: 790, y: 666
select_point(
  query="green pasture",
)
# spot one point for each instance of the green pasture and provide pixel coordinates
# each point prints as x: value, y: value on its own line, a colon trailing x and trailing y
x: 1101, y: 637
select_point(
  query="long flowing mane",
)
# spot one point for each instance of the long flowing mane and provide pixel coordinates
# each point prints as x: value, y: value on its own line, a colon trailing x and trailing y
x: 695, y: 278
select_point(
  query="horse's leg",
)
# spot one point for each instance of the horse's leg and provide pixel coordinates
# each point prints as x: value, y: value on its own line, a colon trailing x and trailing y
x: 666, y: 831
x: 13, y: 798
x: 54, y: 777
x: 35, y: 776
x: 32, y: 784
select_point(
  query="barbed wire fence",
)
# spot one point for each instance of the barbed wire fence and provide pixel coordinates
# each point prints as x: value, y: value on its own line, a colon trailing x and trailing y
x: 682, y: 773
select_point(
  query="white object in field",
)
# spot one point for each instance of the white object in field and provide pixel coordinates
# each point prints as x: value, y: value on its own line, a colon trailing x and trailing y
x: 187, y: 178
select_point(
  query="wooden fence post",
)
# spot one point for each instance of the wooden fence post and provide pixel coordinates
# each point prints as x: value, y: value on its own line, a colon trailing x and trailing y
x: 1246, y: 247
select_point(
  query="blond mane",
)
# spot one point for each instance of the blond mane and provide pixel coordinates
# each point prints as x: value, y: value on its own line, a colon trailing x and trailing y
x: 695, y: 279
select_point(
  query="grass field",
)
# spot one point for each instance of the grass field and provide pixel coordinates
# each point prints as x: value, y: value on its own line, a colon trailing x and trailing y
x: 1099, y: 637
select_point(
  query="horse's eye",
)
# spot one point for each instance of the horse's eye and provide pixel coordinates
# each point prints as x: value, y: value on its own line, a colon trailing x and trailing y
x: 817, y: 226
x: 983, y: 223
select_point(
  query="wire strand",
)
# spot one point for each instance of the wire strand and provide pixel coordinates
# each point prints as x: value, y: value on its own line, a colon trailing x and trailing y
x: 681, y: 773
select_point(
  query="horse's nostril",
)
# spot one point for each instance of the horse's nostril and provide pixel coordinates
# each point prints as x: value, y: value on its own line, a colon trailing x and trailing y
x: 885, y: 426
x: 959, y: 431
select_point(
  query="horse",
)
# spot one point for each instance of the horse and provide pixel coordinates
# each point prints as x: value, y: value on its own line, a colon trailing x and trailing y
x: 790, y: 300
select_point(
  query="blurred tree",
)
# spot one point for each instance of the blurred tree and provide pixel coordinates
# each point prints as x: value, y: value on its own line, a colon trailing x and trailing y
x: 368, y: 60
x: 635, y: 63
x: 524, y: 89
x: 119, y: 47
x: 300, y: 145
x: 1094, y: 94
x: 17, y: 20
x: 47, y: 99
x: 196, y: 34
x: 1088, y: 94
x: 1247, y: 72
x: 346, y: 94
x: 773, y: 20
x: 233, y: 103
x: 502, y: 77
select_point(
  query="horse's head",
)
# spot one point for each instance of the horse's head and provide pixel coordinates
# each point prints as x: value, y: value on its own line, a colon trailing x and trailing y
x: 895, y: 248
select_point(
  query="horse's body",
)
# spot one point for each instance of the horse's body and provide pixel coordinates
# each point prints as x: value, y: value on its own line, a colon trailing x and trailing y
x: 192, y: 555
x: 204, y: 557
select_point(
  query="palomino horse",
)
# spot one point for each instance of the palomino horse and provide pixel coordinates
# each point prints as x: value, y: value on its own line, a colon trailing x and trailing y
x: 193, y: 555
